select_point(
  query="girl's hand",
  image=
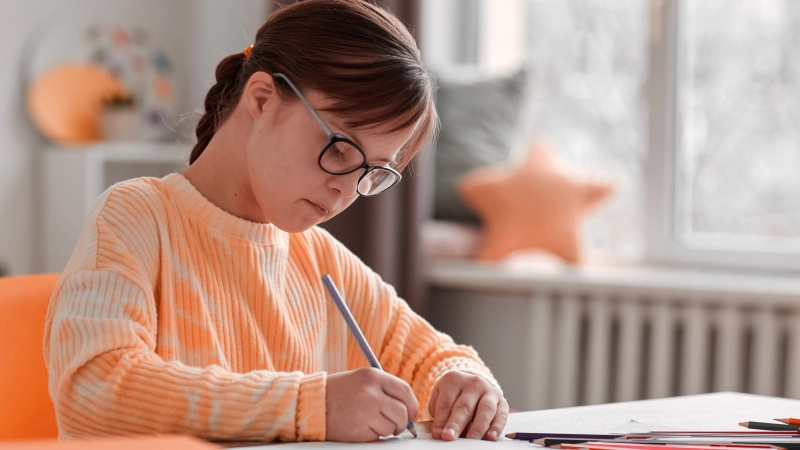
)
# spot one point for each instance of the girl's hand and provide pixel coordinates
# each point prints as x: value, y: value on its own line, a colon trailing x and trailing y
x: 365, y: 404
x: 459, y: 398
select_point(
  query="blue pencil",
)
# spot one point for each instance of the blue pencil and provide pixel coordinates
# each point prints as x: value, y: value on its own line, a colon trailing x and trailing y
x: 353, y: 326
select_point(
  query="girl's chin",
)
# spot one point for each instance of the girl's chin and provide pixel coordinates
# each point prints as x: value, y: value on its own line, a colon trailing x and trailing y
x: 299, y: 226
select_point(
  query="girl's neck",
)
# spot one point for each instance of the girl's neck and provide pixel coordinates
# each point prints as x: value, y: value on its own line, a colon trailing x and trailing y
x: 220, y: 174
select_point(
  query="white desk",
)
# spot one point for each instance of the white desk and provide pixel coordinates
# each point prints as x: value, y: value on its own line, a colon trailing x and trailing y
x: 721, y: 411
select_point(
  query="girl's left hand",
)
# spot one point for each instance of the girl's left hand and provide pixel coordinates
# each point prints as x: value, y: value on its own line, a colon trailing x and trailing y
x: 459, y: 398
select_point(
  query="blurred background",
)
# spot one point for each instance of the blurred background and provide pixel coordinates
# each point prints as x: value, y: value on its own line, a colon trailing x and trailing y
x: 680, y: 278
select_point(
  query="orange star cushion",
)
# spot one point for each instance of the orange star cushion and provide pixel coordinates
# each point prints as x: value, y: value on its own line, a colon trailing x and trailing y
x: 533, y: 206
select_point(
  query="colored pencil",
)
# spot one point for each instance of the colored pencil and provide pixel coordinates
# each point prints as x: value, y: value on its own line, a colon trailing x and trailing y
x: 532, y: 436
x: 787, y: 443
x: 683, y: 440
x: 356, y: 331
x: 770, y: 426
x: 790, y: 421
x: 727, y: 433
x: 551, y: 441
x: 628, y: 446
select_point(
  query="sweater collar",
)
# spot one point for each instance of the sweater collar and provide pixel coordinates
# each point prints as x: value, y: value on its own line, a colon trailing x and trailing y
x: 219, y: 219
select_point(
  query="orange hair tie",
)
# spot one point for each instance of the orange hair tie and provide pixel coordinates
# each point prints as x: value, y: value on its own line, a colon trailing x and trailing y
x: 247, y: 51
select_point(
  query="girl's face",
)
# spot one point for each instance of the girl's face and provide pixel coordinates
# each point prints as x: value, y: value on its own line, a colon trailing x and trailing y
x: 288, y: 186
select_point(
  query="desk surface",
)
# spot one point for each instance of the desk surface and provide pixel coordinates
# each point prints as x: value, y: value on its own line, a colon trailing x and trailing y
x: 719, y: 411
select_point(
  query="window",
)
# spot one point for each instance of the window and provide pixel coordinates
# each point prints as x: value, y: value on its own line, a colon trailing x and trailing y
x: 589, y: 61
x: 738, y: 165
x: 692, y: 107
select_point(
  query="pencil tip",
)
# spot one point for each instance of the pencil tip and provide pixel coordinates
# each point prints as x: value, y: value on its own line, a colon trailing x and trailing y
x: 539, y: 441
x: 744, y: 424
x: 782, y: 420
x: 413, y: 431
x: 511, y: 435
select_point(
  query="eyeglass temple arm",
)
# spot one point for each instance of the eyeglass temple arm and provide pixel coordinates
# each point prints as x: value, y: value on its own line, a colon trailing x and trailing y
x: 305, y: 102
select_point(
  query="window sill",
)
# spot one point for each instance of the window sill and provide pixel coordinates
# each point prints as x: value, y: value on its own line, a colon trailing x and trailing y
x: 526, y: 275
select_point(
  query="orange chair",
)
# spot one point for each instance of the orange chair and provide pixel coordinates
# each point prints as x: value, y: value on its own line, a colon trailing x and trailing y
x: 26, y: 410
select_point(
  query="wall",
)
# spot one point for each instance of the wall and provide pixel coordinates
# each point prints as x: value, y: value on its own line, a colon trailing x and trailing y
x: 195, y: 33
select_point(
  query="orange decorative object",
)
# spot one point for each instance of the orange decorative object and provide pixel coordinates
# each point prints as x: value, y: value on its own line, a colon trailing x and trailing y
x: 26, y: 411
x: 66, y: 102
x: 534, y: 206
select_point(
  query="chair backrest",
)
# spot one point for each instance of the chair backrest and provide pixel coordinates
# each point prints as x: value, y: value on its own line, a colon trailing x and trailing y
x: 26, y: 410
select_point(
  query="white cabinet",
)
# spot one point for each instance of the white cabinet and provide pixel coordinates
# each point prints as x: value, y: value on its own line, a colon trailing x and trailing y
x: 72, y: 178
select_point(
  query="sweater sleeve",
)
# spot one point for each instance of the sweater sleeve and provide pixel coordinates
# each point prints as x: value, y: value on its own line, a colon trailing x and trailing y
x: 406, y: 345
x: 106, y: 377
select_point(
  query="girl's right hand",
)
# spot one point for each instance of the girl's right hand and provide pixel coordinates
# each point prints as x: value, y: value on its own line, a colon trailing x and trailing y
x: 365, y: 404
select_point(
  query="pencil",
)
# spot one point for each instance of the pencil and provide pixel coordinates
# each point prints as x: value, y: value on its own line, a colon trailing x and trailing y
x: 790, y: 421
x: 585, y: 437
x: 786, y: 443
x: 356, y: 331
x: 770, y: 426
x: 627, y: 446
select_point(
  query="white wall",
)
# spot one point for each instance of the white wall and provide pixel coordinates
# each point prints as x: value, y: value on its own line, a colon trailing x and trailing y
x: 195, y: 33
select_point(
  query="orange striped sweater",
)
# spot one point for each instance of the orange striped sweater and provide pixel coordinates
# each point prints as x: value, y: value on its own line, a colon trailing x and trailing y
x: 174, y: 316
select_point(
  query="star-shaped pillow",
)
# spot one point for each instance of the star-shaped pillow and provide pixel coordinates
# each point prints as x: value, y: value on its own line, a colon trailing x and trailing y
x: 536, y: 205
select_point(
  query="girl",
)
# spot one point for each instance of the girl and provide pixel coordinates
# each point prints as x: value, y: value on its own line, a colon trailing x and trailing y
x: 193, y: 303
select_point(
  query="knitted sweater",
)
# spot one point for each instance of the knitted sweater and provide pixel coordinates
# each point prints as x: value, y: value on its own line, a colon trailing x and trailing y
x: 174, y: 316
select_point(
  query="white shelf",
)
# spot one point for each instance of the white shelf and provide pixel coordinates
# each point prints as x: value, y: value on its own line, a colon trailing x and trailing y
x: 132, y: 151
x: 74, y: 177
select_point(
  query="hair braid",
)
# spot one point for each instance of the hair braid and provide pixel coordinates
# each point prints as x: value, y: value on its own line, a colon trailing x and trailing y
x: 219, y: 102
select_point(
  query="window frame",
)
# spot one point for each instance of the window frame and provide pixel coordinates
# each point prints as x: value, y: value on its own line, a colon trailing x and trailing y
x: 668, y: 26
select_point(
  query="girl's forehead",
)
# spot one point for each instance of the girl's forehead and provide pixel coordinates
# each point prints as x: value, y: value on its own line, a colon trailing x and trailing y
x: 376, y: 142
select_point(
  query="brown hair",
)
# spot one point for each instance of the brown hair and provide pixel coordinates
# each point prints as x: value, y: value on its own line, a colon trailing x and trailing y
x: 354, y: 51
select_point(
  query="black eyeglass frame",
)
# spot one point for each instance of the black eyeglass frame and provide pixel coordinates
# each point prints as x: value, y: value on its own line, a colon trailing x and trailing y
x: 336, y: 137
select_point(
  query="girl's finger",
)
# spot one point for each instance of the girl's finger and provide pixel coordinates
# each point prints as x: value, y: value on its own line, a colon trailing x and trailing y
x: 399, y: 390
x: 381, y: 425
x: 499, y: 421
x: 484, y: 414
x: 460, y: 414
x: 432, y: 400
x: 444, y: 404
x: 395, y: 411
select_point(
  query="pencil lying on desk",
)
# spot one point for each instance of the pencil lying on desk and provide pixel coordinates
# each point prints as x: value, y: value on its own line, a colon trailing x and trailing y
x: 790, y: 421
x: 770, y: 426
x: 628, y: 446
x: 585, y: 437
x: 663, y: 445
x: 354, y: 328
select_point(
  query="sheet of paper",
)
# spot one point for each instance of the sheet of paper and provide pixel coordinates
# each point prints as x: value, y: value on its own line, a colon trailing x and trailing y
x: 407, y: 441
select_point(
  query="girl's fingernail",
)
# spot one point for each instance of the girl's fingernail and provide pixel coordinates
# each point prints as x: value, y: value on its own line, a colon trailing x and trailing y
x: 474, y: 435
x: 450, y: 432
x: 436, y: 430
x: 492, y: 435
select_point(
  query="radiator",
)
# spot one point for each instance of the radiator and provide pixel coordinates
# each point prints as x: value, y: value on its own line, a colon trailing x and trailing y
x: 556, y: 341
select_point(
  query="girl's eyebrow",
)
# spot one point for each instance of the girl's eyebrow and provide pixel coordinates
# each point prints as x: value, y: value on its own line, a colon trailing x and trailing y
x: 352, y: 136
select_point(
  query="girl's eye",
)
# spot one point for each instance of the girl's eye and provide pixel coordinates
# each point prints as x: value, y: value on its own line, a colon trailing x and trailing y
x: 336, y: 152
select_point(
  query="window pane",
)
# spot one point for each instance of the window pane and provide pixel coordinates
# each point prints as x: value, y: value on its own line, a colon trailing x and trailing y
x: 589, y: 65
x: 738, y: 177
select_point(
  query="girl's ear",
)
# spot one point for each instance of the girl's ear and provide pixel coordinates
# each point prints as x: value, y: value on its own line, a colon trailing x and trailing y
x: 259, y: 94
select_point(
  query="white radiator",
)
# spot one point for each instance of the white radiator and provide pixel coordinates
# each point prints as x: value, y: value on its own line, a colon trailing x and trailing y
x: 574, y: 338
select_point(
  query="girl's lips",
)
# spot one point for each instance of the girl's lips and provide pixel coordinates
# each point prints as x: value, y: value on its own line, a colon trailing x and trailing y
x: 320, y: 210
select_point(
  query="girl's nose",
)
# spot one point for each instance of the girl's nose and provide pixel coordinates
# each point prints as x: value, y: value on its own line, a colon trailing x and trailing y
x: 347, y: 185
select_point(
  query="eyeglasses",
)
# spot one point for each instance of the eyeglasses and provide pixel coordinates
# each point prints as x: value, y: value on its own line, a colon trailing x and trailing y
x: 341, y: 156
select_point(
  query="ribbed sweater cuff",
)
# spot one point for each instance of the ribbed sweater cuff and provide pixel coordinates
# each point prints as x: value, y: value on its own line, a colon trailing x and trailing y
x: 311, y: 408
